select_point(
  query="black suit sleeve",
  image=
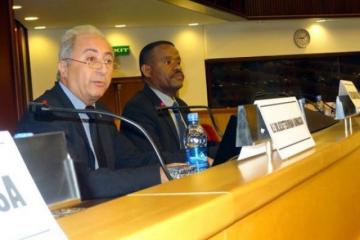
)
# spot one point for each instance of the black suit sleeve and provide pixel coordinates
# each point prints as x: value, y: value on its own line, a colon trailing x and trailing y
x: 129, y: 155
x: 108, y: 183
x: 147, y: 119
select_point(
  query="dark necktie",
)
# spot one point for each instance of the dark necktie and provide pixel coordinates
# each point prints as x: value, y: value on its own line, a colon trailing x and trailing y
x: 180, y: 124
x: 96, y: 140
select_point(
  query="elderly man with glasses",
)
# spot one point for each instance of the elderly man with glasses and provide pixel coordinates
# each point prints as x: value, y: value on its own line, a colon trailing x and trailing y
x: 106, y: 163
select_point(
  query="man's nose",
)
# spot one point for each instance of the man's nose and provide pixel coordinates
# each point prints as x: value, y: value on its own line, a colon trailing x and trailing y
x: 178, y: 66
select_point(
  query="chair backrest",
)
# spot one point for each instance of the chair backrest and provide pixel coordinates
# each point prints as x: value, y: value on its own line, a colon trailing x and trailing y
x: 51, y: 167
x: 212, y: 135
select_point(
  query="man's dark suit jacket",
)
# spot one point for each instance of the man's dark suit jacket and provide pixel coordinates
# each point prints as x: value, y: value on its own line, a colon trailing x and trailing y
x: 125, y: 171
x: 142, y: 108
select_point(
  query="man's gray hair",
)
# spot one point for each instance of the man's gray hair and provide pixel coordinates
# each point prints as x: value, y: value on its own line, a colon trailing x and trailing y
x: 68, y: 40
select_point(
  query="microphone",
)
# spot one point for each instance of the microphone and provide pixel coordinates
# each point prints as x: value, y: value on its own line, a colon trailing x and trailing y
x: 42, y: 107
x: 211, y: 115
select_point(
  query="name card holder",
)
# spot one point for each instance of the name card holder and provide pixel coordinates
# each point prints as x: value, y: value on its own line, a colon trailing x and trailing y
x: 23, y: 212
x: 286, y: 125
x: 251, y: 132
x: 347, y: 104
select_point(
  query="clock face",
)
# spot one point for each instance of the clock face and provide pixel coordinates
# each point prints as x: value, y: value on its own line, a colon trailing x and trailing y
x: 301, y: 38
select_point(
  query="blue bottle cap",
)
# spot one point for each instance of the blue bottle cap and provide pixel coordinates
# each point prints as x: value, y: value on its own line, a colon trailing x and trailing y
x: 191, y: 117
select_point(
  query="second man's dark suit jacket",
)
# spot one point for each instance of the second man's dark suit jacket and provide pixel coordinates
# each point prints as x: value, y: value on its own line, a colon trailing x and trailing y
x: 125, y: 171
x: 142, y: 108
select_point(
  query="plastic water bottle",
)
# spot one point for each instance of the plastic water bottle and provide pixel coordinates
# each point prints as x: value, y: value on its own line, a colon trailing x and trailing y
x: 195, y: 144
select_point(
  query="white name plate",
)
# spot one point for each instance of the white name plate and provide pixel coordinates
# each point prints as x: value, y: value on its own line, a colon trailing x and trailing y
x: 348, y: 88
x: 286, y: 125
x: 23, y: 212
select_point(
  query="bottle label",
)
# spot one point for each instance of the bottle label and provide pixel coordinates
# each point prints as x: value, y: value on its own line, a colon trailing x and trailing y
x: 197, y: 157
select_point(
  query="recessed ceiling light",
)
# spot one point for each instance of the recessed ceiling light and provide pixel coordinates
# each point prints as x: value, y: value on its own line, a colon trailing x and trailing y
x: 40, y: 27
x: 193, y: 24
x: 16, y: 7
x: 31, y: 18
x: 120, y: 25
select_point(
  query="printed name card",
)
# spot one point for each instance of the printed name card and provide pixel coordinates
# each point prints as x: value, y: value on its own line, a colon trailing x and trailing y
x: 23, y: 212
x: 348, y: 88
x: 286, y: 125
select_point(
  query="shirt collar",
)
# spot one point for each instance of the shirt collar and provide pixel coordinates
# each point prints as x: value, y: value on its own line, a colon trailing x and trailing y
x: 78, y: 104
x: 167, y: 100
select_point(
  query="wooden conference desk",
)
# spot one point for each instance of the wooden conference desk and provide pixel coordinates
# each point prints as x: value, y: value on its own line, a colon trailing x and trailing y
x: 314, y: 195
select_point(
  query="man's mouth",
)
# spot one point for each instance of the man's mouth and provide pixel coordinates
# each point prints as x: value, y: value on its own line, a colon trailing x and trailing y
x: 99, y: 83
x: 179, y: 75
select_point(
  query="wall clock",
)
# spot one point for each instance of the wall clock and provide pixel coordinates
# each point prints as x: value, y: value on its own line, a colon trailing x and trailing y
x: 301, y: 38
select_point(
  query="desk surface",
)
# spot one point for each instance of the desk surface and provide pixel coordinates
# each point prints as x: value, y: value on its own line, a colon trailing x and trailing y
x: 210, y: 201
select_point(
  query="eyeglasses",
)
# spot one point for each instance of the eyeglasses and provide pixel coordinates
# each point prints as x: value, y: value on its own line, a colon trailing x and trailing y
x: 93, y: 62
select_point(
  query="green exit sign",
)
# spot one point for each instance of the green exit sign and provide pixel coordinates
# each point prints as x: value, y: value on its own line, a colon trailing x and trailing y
x: 121, y: 50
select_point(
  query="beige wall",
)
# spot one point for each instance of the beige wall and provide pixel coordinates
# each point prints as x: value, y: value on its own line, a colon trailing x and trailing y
x: 267, y: 38
x: 43, y: 48
x: 236, y: 39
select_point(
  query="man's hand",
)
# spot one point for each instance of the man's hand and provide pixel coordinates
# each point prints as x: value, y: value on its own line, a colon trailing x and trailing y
x: 210, y: 161
x: 163, y: 177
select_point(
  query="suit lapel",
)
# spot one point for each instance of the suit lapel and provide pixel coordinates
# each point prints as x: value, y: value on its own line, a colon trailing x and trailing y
x: 65, y: 102
x: 105, y: 128
x: 164, y: 115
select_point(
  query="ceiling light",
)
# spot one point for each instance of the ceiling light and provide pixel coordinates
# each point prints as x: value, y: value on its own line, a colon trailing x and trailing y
x: 16, y: 7
x: 31, y: 18
x: 321, y: 20
x: 120, y: 25
x: 40, y: 27
x: 193, y: 24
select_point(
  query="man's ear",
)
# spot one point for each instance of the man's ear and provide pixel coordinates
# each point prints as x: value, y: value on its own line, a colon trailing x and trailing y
x: 63, y: 69
x: 146, y: 70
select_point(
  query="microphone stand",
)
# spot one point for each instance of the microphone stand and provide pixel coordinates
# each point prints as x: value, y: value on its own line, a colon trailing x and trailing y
x: 211, y: 115
x: 34, y: 107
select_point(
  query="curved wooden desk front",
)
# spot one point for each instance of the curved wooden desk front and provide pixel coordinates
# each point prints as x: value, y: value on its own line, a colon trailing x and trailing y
x: 314, y: 195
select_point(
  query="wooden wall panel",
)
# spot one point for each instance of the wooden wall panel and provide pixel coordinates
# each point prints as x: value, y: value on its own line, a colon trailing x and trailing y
x: 23, y: 84
x: 120, y: 91
x: 278, y: 8
x: 8, y: 103
x: 265, y: 9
